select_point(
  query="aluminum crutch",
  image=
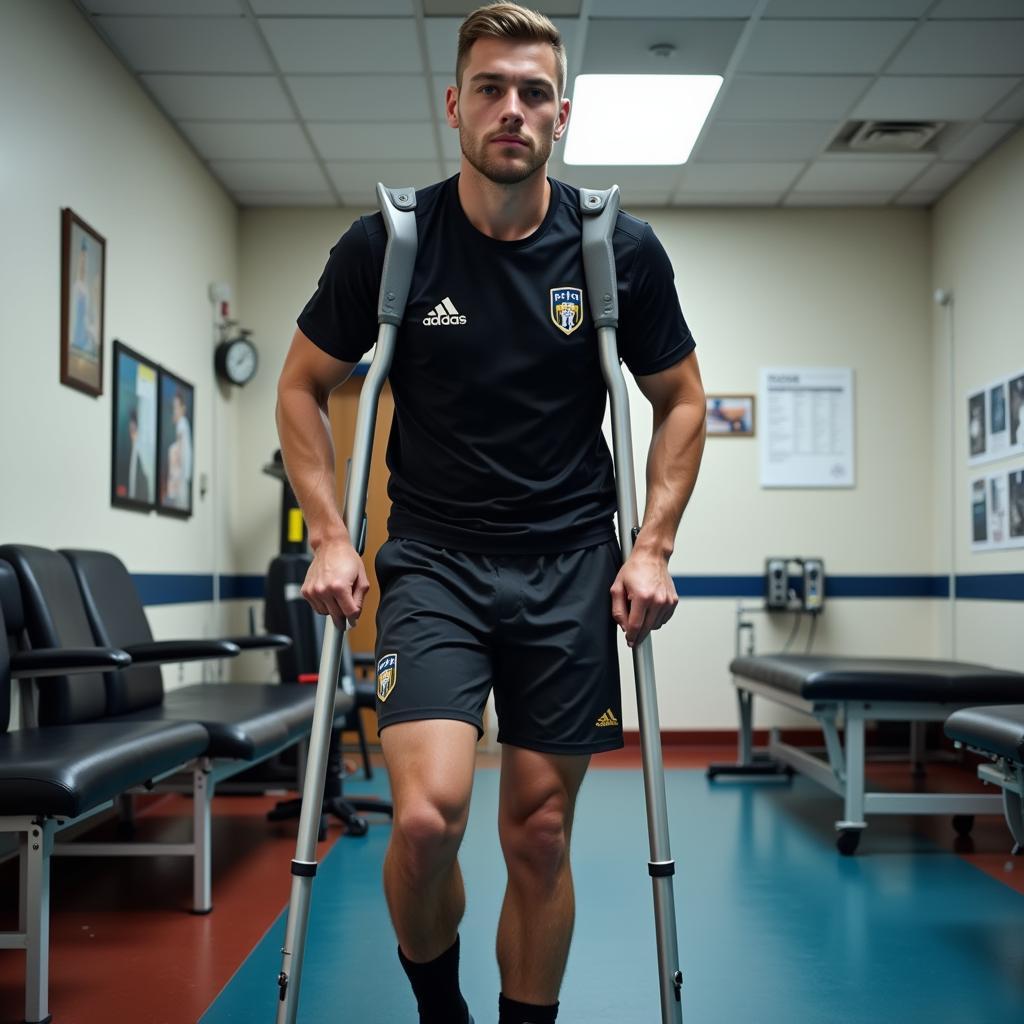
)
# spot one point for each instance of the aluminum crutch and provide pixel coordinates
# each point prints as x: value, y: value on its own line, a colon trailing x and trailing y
x: 398, y: 206
x: 600, y: 210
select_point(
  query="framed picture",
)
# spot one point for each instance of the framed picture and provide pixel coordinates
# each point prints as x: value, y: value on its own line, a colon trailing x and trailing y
x: 133, y: 454
x: 174, y: 445
x: 730, y: 415
x: 83, y: 267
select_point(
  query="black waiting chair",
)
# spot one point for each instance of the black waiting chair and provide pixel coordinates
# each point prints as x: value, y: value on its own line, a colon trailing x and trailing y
x: 69, y: 768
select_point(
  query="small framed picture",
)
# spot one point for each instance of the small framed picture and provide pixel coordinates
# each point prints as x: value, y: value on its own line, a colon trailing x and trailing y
x: 174, y: 445
x: 83, y: 268
x: 730, y: 415
x: 133, y: 456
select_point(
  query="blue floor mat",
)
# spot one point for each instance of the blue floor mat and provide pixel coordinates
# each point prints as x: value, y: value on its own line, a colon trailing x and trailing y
x: 775, y: 927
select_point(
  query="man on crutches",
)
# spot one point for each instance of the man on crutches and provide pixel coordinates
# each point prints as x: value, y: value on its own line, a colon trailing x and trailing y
x: 502, y: 569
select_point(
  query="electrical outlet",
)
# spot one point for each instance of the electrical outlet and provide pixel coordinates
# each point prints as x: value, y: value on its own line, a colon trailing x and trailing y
x: 814, y: 584
x: 776, y: 583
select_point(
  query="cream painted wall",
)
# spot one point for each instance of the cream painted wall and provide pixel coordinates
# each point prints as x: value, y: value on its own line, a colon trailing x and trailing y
x: 978, y: 253
x: 79, y: 132
x: 833, y: 288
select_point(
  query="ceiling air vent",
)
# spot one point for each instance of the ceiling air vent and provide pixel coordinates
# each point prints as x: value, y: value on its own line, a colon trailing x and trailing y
x: 892, y: 136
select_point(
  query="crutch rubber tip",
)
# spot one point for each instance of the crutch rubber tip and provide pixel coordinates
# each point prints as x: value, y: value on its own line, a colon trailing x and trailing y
x: 661, y: 868
x: 303, y: 869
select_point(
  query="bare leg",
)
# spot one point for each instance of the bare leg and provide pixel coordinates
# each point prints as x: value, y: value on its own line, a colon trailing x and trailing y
x: 430, y: 767
x: 538, y: 797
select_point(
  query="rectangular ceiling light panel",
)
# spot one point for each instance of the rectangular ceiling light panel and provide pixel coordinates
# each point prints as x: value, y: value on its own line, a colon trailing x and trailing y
x: 638, y: 119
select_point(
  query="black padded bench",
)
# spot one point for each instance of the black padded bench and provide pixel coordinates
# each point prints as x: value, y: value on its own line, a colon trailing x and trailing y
x: 852, y: 691
x: 998, y: 733
x: 55, y: 776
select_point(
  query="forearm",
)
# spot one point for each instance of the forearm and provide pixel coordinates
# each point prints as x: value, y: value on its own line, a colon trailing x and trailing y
x: 673, y: 462
x: 308, y: 454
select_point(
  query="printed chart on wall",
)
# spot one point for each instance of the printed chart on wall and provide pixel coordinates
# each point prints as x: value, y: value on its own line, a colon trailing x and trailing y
x: 995, y: 420
x: 995, y: 430
x: 997, y: 510
x: 806, y: 427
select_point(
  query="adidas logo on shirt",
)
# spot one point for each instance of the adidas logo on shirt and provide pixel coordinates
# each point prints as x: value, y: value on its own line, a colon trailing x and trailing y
x: 444, y: 314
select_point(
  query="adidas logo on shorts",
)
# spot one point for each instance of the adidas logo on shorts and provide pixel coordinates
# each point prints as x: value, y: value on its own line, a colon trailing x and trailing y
x: 607, y: 719
x: 444, y: 314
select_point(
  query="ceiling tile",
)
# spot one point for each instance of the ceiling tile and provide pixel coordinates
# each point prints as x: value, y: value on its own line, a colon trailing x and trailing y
x: 643, y: 179
x: 351, y: 45
x: 931, y: 98
x: 362, y: 176
x: 333, y: 8
x: 673, y: 8
x: 270, y: 175
x: 450, y: 147
x: 441, y: 83
x: 373, y: 141
x: 977, y: 9
x: 976, y: 142
x: 177, y: 8
x: 916, y: 199
x: 187, y: 44
x: 361, y: 97
x: 1012, y: 108
x: 727, y: 199
x: 738, y: 178
x: 829, y: 199
x: 623, y: 46
x: 854, y: 176
x: 823, y: 47
x: 220, y: 97
x: 939, y: 177
x: 247, y: 140
x: 963, y: 48
x: 442, y: 41
x: 768, y: 140
x: 846, y: 8
x: 247, y: 198
x: 790, y: 97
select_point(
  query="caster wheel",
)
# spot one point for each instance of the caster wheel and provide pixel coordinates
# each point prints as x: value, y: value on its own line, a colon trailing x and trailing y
x: 356, y: 827
x: 847, y: 840
x: 963, y: 823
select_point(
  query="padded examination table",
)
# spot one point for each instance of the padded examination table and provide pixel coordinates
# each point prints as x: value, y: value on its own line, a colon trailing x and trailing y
x: 998, y: 733
x: 853, y: 691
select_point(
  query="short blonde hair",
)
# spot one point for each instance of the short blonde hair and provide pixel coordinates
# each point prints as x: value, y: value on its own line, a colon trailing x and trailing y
x: 509, y: 21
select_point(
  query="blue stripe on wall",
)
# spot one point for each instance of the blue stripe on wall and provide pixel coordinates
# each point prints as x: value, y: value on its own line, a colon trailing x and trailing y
x: 995, y: 586
x: 185, y: 588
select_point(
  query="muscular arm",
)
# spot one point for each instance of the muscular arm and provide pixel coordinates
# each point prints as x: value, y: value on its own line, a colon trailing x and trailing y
x: 677, y: 444
x: 643, y: 595
x: 336, y: 582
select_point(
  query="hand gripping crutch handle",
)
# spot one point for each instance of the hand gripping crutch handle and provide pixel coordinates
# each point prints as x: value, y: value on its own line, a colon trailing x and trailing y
x: 600, y: 211
x: 398, y: 207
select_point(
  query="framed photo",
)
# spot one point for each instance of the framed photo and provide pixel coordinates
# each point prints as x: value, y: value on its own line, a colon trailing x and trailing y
x: 133, y: 454
x: 175, y: 464
x: 730, y: 415
x: 83, y: 268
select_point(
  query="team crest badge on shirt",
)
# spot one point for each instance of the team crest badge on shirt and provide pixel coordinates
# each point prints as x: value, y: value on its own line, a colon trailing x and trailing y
x: 387, y: 676
x: 567, y: 308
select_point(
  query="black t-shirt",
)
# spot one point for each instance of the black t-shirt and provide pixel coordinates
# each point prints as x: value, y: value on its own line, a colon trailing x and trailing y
x: 496, y: 444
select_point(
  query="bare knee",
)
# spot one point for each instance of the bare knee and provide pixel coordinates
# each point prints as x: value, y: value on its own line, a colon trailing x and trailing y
x: 536, y: 844
x: 426, y: 835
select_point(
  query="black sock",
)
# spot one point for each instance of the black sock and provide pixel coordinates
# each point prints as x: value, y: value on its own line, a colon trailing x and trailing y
x: 511, y: 1012
x: 436, y: 987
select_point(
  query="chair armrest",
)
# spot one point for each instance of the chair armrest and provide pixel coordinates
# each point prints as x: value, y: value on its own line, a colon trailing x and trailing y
x: 61, y: 661
x: 262, y: 641
x: 171, y: 652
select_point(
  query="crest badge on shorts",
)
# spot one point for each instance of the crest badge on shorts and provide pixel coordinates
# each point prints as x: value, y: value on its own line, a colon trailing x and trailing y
x: 387, y: 676
x: 567, y: 308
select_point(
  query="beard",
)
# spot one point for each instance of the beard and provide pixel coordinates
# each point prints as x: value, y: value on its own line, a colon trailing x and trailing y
x: 498, y: 170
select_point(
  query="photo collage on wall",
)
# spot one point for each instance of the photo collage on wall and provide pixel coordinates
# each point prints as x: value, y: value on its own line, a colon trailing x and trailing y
x: 995, y: 424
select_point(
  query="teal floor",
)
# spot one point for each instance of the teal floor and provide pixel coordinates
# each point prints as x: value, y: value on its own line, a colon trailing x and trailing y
x: 775, y: 927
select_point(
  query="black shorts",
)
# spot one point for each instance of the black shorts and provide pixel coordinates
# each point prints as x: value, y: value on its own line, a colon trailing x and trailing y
x: 537, y: 628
